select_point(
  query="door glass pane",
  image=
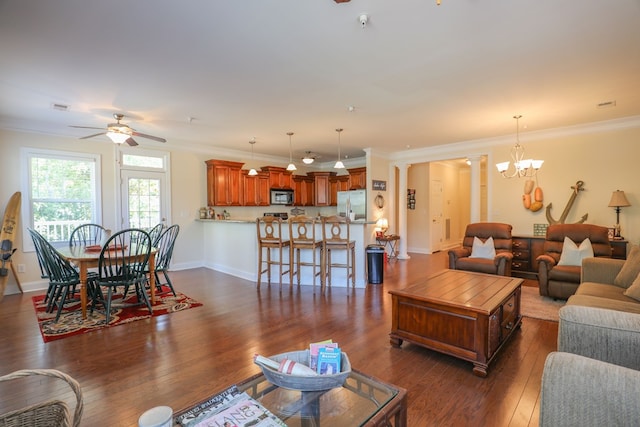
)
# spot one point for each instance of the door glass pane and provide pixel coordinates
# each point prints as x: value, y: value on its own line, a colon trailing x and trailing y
x: 144, y: 202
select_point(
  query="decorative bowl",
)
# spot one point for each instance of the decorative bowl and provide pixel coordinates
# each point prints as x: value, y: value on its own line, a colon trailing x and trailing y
x: 302, y: 383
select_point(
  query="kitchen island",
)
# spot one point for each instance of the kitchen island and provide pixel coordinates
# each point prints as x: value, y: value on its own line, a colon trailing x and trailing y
x: 231, y: 247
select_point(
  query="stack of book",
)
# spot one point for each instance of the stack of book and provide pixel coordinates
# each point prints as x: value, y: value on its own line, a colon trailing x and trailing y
x: 230, y: 408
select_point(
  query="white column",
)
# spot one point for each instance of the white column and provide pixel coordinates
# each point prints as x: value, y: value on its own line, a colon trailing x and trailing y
x: 475, y: 188
x: 402, y: 209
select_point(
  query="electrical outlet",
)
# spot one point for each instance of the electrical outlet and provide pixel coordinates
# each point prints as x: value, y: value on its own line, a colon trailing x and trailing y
x: 22, y: 268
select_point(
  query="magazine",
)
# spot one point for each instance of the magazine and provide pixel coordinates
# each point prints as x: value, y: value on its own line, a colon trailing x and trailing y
x: 242, y: 411
x: 313, y: 351
x: 216, y: 402
x: 329, y: 360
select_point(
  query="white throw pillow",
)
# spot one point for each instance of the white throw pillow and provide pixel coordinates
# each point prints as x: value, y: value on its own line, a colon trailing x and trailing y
x: 485, y: 250
x: 572, y: 254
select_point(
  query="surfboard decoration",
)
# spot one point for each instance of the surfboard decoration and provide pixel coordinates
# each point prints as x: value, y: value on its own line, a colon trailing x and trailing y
x: 7, y: 237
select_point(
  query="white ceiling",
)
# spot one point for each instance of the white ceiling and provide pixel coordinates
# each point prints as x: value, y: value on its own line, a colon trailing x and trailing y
x: 417, y: 75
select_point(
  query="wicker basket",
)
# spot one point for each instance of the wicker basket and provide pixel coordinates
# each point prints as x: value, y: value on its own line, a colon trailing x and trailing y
x: 294, y: 382
x: 53, y: 413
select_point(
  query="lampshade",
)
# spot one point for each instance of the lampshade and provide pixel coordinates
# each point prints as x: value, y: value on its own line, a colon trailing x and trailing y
x: 117, y: 137
x: 618, y: 200
x: 382, y: 223
x: 252, y: 172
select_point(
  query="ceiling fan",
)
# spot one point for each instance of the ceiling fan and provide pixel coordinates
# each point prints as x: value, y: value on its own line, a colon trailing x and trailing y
x: 119, y: 132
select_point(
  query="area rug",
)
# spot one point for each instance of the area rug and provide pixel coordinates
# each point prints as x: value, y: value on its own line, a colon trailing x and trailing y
x: 71, y: 322
x: 534, y: 305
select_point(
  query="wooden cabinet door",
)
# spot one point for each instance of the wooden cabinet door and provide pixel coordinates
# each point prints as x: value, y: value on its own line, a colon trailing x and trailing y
x: 358, y: 178
x: 308, y: 192
x: 278, y: 177
x: 255, y: 189
x: 322, y: 187
x: 263, y: 190
x: 224, y: 183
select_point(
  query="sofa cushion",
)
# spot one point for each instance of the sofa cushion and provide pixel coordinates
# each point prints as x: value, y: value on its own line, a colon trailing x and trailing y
x: 601, y: 290
x: 630, y: 269
x: 630, y: 306
x: 485, y: 249
x: 573, y: 254
x: 633, y: 291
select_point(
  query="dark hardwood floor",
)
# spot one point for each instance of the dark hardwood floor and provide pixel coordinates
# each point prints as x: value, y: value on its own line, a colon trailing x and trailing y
x: 182, y: 358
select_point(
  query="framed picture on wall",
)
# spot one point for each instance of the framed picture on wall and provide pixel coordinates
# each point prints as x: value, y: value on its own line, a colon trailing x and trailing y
x: 611, y: 232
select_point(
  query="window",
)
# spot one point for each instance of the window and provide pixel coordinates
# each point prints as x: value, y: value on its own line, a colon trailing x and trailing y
x: 62, y: 192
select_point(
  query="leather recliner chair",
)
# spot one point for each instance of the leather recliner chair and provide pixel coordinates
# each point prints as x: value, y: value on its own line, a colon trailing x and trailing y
x: 500, y: 265
x: 561, y: 281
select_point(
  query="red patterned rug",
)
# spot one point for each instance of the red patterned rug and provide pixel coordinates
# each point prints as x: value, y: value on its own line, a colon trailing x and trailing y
x: 71, y: 322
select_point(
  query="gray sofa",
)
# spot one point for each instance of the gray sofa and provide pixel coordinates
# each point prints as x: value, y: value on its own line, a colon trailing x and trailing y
x: 583, y: 392
x: 599, y: 321
x: 594, y: 378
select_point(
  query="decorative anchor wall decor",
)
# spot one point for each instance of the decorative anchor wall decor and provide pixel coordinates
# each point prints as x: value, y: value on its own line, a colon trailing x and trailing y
x: 576, y: 189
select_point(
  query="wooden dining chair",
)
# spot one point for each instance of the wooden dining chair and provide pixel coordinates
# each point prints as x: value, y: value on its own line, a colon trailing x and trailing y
x: 62, y: 275
x: 122, y: 264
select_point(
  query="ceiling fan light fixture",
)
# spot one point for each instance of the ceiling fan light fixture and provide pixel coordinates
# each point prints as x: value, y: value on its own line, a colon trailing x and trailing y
x: 117, y: 137
x: 307, y: 160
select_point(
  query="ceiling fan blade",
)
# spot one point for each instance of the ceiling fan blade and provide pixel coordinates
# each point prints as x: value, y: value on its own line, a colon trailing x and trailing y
x: 95, y: 134
x: 84, y: 127
x: 131, y: 142
x: 155, y: 138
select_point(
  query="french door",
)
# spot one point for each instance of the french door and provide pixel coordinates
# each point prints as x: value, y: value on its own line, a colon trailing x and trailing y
x: 144, y: 193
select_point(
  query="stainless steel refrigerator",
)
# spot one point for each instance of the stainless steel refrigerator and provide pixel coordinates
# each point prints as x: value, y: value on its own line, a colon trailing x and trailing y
x: 356, y: 200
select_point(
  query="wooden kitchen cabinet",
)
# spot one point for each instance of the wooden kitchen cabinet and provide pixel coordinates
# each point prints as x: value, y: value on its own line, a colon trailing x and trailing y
x: 255, y: 189
x: 279, y: 178
x: 357, y: 178
x: 322, y: 187
x: 337, y: 183
x: 303, y: 190
x: 224, y: 183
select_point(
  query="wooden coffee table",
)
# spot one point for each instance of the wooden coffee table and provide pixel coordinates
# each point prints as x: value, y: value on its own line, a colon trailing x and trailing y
x: 466, y: 315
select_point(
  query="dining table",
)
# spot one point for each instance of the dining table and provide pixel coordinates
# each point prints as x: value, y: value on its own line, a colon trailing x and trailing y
x: 85, y: 259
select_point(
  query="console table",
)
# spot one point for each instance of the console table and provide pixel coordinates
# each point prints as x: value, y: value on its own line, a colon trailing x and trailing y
x: 527, y: 248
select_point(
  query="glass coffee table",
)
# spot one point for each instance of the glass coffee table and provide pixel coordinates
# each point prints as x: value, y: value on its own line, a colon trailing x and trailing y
x: 362, y: 401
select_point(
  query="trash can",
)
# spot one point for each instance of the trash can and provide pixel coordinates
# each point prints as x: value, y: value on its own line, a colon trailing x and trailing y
x: 375, y: 263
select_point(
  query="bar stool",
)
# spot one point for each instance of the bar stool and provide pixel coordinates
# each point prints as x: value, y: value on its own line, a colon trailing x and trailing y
x: 336, y: 236
x: 302, y: 236
x: 270, y: 237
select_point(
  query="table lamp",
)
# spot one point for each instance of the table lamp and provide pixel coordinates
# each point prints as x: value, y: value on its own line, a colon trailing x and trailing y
x: 381, y: 225
x: 618, y: 200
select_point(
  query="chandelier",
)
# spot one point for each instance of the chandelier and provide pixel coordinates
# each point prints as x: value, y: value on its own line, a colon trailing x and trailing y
x: 521, y: 167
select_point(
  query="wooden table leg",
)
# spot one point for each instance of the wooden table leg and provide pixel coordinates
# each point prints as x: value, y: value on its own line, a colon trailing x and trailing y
x: 83, y: 289
x: 152, y: 277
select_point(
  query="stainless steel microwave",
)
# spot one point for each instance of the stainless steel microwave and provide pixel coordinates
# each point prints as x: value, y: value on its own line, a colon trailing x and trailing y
x: 281, y: 197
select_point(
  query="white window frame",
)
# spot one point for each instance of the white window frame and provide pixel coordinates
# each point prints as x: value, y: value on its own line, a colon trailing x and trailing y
x: 26, y: 154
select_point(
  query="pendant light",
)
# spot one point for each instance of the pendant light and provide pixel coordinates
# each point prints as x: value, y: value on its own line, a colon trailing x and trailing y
x: 252, y: 171
x: 339, y: 164
x: 291, y: 166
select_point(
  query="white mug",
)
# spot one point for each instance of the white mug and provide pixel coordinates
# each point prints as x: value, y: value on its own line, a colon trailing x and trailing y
x: 160, y: 416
